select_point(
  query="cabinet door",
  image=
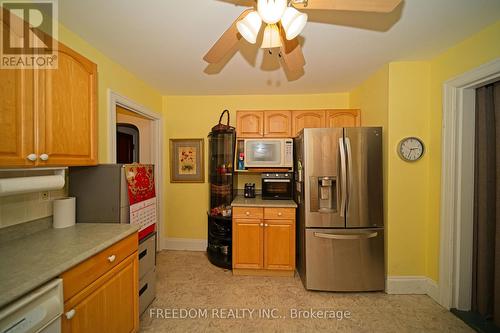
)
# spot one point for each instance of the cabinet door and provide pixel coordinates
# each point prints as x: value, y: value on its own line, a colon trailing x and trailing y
x: 67, y: 122
x: 16, y: 117
x: 247, y: 243
x: 343, y: 118
x: 250, y: 124
x: 279, y: 244
x: 277, y: 124
x: 307, y: 119
x: 110, y: 304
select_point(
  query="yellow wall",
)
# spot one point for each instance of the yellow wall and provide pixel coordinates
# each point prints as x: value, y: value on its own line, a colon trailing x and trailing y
x: 193, y: 117
x: 407, y: 182
x: 111, y: 76
x: 411, y: 105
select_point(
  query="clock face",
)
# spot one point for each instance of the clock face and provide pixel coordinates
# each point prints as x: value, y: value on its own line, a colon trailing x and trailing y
x: 411, y: 149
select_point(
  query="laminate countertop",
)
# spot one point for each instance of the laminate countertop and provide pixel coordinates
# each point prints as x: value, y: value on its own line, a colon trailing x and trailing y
x: 27, y: 263
x: 241, y: 201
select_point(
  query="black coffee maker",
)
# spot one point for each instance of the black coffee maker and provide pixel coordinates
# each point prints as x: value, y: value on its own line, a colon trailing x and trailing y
x: 249, y: 190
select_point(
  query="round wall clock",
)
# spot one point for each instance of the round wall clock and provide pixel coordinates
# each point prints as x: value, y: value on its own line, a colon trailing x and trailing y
x: 411, y: 149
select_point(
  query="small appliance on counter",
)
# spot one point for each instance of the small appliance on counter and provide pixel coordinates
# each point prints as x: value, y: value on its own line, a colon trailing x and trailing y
x: 249, y: 191
x: 277, y: 186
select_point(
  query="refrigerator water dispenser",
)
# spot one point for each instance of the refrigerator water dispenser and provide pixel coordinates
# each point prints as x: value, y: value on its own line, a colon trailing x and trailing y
x: 324, y: 194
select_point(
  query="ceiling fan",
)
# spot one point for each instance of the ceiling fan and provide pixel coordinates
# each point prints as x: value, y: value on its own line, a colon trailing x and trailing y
x: 283, y: 23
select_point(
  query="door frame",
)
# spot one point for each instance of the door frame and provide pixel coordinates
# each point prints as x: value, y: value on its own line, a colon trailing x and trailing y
x: 116, y: 99
x: 457, y: 184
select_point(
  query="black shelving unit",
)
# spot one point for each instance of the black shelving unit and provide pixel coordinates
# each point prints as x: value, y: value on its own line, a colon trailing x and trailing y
x: 221, y: 141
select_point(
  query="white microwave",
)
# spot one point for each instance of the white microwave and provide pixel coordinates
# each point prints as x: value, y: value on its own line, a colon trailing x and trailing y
x: 268, y: 153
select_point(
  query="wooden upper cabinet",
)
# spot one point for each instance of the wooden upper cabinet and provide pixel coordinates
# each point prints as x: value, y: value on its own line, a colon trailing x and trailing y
x: 277, y: 124
x: 68, y: 123
x: 343, y: 118
x: 250, y: 124
x: 16, y: 117
x: 307, y: 119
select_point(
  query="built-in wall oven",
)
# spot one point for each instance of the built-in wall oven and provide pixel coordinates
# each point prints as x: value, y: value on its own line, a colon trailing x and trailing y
x: 277, y: 186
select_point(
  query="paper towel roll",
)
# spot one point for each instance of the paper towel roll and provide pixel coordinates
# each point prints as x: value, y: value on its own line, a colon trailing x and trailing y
x: 19, y: 185
x: 64, y: 212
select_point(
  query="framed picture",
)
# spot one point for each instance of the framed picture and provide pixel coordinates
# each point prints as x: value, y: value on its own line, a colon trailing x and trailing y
x: 187, y: 161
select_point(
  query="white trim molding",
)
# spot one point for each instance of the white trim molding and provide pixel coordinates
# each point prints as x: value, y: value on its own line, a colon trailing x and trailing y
x: 457, y: 184
x: 115, y: 99
x: 408, y: 285
x: 184, y: 244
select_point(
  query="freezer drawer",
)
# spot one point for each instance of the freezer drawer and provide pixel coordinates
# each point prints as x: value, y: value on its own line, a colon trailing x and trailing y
x: 345, y: 259
x: 147, y: 253
x: 147, y: 290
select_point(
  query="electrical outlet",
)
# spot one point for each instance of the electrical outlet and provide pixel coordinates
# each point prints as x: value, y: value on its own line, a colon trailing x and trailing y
x: 44, y: 196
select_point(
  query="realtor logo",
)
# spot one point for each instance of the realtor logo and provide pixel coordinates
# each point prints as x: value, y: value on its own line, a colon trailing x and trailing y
x: 29, y: 34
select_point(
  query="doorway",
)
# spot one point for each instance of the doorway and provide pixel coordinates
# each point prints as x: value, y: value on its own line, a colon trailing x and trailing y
x: 146, y: 147
x: 127, y: 143
x: 484, y: 312
x: 457, y: 189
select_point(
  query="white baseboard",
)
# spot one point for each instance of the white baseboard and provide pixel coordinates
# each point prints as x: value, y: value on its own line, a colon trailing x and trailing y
x: 184, y: 244
x: 404, y: 285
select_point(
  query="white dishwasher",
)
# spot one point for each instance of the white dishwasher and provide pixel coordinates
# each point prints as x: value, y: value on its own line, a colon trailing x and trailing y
x: 38, y: 311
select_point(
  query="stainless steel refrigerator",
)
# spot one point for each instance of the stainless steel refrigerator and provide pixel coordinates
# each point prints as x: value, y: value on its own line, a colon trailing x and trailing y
x: 339, y: 191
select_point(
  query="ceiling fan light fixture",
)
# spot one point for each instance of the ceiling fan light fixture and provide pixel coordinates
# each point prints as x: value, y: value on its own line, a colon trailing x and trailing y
x: 271, y: 11
x: 293, y: 22
x: 271, y: 38
x: 249, y: 27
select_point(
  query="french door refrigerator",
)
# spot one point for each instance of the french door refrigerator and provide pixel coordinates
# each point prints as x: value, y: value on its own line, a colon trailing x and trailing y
x: 339, y: 192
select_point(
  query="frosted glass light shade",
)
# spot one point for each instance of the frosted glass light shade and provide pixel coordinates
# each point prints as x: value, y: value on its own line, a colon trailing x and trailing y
x: 271, y: 37
x: 249, y: 27
x: 293, y: 22
x: 271, y: 11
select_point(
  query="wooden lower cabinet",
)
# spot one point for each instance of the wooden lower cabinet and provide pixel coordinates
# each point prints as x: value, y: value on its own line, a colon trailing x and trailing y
x: 263, y: 246
x: 247, y: 243
x: 279, y: 244
x: 108, y: 304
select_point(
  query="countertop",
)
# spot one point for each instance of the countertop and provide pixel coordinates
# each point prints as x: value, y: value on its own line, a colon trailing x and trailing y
x: 241, y: 201
x: 29, y: 262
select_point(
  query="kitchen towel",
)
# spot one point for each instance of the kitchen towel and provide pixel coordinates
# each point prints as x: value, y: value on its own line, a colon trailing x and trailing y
x: 64, y: 212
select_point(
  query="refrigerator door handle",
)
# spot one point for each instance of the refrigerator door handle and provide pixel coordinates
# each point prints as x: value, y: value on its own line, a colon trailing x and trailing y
x: 363, y: 235
x: 343, y: 177
x: 349, y: 171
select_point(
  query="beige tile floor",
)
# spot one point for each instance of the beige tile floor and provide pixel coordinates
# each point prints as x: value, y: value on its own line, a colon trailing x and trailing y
x: 186, y: 280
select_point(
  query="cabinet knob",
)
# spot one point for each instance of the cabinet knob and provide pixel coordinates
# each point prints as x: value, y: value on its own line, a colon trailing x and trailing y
x: 266, y: 225
x: 44, y: 157
x: 32, y: 157
x: 262, y: 224
x: 247, y: 213
x: 280, y: 213
x: 112, y: 258
x: 70, y: 314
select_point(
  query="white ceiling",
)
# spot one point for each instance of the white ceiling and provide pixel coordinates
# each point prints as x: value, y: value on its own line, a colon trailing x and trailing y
x: 163, y: 42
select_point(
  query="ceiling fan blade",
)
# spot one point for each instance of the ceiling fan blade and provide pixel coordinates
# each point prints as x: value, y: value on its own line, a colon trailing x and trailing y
x: 382, y: 6
x: 226, y: 42
x: 291, y: 53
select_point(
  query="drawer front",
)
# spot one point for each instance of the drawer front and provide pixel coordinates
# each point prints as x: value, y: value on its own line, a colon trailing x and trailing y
x: 147, y: 254
x: 279, y: 213
x: 82, y: 275
x: 248, y: 212
x: 147, y: 290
